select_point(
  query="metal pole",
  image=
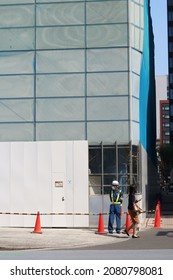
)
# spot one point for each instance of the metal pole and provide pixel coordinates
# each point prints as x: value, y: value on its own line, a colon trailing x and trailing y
x: 131, y: 164
x: 102, y: 176
x: 116, y: 147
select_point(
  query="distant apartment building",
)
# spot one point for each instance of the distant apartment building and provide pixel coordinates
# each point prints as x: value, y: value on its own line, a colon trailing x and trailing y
x: 162, y: 110
x: 164, y: 122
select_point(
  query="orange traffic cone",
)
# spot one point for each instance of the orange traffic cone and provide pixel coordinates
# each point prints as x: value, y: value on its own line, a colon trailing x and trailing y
x: 159, y: 205
x: 157, y: 217
x: 128, y: 221
x: 100, y: 225
x: 37, y: 228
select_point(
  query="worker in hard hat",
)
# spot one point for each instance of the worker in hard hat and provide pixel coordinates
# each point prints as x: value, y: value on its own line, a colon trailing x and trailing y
x: 116, y: 198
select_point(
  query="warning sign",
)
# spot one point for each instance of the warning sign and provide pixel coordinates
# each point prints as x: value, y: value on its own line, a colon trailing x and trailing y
x: 58, y: 184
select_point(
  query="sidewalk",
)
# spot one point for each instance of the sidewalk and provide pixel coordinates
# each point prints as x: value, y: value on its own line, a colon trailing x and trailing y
x: 53, y: 238
x: 66, y: 238
x: 165, y: 222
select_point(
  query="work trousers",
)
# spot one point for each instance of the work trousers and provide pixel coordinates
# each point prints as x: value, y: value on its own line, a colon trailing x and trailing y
x: 114, y: 212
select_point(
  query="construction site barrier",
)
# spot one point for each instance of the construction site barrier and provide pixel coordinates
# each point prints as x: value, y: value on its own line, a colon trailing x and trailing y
x: 101, y: 230
x: 43, y: 214
x: 61, y: 213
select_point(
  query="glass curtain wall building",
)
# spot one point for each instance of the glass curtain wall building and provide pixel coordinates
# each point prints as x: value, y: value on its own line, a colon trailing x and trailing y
x: 170, y: 62
x: 81, y: 70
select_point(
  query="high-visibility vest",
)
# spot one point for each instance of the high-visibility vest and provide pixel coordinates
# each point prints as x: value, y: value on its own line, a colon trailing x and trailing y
x: 117, y: 198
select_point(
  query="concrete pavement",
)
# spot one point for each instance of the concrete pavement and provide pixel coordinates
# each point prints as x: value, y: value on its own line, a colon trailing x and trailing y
x: 86, y: 238
x: 22, y: 238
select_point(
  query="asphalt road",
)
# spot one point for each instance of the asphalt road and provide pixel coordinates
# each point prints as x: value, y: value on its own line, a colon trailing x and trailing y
x: 88, y: 255
x: 149, y: 240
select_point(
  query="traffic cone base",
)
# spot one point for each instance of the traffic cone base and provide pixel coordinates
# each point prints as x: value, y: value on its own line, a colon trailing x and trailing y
x: 101, y: 225
x: 37, y: 228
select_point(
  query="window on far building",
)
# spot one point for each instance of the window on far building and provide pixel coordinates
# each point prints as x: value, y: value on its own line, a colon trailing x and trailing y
x: 165, y: 116
x: 165, y: 107
x: 167, y: 133
x: 165, y: 124
x: 166, y: 142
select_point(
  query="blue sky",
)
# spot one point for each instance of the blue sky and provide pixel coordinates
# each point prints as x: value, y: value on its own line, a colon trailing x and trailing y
x: 159, y: 19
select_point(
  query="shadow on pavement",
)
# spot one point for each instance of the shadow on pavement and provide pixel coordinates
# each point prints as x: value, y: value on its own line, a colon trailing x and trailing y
x: 149, y: 239
x: 167, y: 233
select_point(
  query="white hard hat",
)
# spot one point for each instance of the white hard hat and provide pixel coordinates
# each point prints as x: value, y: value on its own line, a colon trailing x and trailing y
x: 115, y: 183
